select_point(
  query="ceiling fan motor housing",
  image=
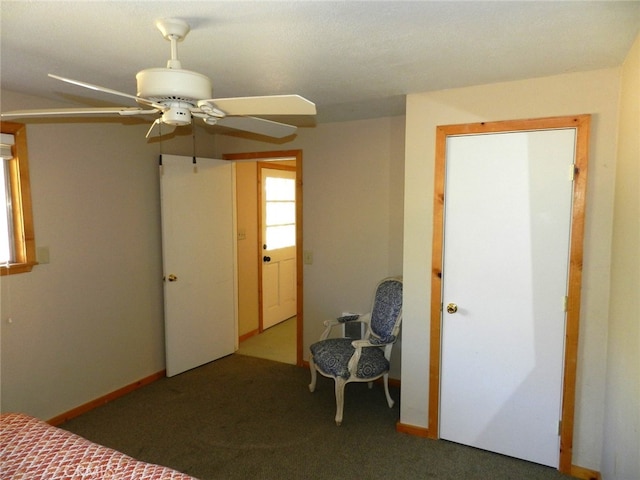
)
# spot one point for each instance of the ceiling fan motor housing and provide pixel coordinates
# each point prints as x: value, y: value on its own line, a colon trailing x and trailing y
x: 168, y: 84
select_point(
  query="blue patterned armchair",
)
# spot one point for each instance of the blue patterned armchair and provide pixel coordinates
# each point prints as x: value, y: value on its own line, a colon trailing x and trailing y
x: 346, y: 360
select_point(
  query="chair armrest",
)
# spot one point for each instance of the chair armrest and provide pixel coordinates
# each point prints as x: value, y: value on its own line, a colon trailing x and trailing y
x: 359, y: 344
x: 328, y: 324
x: 332, y: 322
x: 355, y: 358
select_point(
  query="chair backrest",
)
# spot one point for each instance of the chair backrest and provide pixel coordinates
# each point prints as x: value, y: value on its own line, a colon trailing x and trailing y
x: 386, y: 314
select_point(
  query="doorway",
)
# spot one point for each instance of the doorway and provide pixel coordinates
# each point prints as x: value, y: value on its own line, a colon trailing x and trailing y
x: 255, y: 338
x: 505, y: 329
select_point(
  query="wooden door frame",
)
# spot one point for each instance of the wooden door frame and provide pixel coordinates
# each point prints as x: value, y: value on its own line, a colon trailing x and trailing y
x: 261, y: 240
x: 581, y: 123
x: 287, y: 155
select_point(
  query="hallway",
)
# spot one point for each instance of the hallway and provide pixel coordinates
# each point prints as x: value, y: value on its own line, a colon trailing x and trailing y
x: 277, y: 343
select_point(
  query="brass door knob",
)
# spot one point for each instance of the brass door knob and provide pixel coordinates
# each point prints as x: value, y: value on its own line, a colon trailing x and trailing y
x: 172, y: 278
x: 452, y: 308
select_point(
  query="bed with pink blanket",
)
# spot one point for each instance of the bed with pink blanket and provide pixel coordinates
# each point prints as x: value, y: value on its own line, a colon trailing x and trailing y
x: 34, y: 450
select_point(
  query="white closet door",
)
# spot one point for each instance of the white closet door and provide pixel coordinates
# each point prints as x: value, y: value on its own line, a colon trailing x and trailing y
x: 506, y: 244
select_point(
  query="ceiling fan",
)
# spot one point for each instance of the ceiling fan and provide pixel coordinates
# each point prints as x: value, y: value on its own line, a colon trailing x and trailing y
x: 178, y: 95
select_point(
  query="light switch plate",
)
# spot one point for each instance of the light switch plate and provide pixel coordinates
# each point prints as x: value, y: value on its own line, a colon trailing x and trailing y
x: 42, y: 255
x: 307, y: 257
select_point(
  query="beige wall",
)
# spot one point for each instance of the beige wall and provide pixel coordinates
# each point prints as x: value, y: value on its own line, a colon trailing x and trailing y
x: 247, y: 221
x: 352, y: 213
x: 591, y: 92
x: 91, y: 320
x: 622, y: 406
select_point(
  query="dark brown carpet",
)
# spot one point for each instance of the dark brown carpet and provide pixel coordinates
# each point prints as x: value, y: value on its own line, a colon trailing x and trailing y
x: 246, y: 418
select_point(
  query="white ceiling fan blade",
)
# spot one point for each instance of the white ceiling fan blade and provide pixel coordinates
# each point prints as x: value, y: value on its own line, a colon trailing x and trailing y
x: 68, y: 112
x: 267, y: 105
x: 258, y: 125
x: 98, y: 88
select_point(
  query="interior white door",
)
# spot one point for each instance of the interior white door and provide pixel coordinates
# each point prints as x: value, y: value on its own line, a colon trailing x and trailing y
x: 505, y: 273
x: 278, y: 255
x: 198, y: 254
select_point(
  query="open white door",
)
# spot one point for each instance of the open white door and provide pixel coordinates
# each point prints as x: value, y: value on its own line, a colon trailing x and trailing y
x: 507, y: 229
x: 198, y: 254
x: 278, y: 220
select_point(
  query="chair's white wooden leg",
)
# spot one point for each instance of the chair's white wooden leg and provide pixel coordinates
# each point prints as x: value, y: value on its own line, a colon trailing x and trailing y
x: 386, y: 390
x: 312, y: 367
x: 340, y: 384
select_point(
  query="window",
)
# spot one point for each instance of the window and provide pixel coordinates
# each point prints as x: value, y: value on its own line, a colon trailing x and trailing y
x: 17, y: 239
x: 280, y: 221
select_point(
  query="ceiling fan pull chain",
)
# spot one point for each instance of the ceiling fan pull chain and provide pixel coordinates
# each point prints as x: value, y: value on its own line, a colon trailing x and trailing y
x: 193, y: 143
x: 193, y: 137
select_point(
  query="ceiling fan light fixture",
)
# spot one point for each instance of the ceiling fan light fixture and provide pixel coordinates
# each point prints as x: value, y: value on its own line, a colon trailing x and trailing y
x: 177, y: 115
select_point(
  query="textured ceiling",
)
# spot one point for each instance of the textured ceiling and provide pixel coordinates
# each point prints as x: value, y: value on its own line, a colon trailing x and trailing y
x: 353, y: 59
